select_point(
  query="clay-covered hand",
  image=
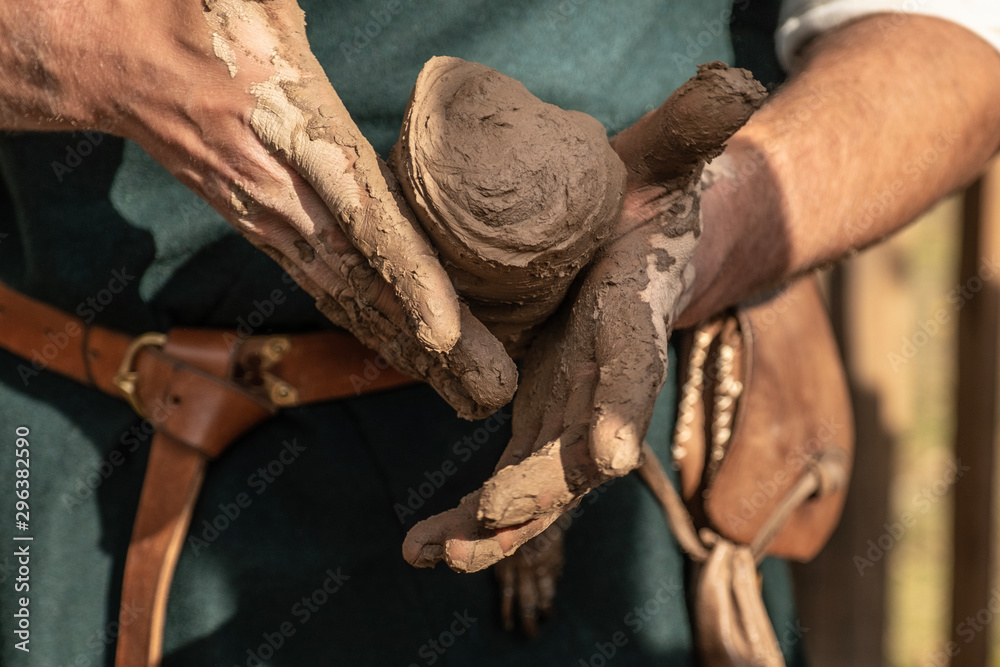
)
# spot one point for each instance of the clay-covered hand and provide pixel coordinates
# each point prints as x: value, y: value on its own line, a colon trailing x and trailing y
x: 592, y: 376
x: 227, y: 95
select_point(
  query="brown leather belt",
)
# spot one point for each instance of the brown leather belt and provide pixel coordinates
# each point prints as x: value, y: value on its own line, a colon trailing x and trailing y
x: 201, y: 389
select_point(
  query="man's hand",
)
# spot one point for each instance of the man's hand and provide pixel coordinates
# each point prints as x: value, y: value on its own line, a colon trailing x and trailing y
x: 592, y: 376
x: 227, y: 95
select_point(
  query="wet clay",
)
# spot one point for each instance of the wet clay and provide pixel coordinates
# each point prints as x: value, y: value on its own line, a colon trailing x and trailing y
x: 516, y: 194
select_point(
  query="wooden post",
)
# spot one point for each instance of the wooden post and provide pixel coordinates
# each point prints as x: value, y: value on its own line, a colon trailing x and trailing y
x: 843, y: 604
x: 976, y: 424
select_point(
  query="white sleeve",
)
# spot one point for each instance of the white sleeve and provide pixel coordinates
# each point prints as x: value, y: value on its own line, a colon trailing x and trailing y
x: 803, y: 19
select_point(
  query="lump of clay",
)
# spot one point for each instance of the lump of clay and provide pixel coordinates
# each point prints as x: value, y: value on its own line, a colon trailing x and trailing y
x: 516, y: 194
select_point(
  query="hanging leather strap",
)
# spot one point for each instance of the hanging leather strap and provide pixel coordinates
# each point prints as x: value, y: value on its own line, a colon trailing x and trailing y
x: 169, y: 492
x: 731, y: 624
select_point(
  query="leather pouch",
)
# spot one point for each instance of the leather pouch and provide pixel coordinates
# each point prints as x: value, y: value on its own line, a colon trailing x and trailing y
x: 764, y: 444
x: 765, y: 404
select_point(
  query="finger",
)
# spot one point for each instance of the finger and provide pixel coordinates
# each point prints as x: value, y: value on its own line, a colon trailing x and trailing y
x: 309, y: 125
x: 559, y: 467
x: 558, y: 383
x: 632, y: 371
x: 542, y: 559
x: 538, y: 405
x: 547, y: 590
x: 460, y: 540
x: 400, y: 349
x: 638, y: 307
x: 506, y: 575
x: 472, y: 398
x: 527, y: 601
x: 298, y: 115
x: 488, y: 376
x: 549, y: 481
x: 692, y: 125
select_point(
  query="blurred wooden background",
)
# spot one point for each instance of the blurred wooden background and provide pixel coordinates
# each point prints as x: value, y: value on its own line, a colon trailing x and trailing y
x: 910, y: 577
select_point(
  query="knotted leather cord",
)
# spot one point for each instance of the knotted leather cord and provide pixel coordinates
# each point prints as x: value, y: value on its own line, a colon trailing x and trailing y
x: 682, y: 525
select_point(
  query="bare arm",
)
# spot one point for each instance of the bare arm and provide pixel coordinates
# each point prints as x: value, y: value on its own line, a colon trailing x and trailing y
x: 885, y: 116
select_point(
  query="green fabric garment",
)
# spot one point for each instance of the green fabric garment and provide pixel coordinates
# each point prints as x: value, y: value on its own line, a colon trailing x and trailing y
x: 320, y: 496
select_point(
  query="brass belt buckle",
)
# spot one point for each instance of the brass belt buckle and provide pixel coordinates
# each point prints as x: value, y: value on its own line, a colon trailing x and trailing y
x: 126, y: 377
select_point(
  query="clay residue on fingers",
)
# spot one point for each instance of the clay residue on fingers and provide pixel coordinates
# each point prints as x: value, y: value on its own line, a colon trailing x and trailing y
x: 327, y: 149
x: 547, y: 481
x: 692, y: 125
x: 460, y: 540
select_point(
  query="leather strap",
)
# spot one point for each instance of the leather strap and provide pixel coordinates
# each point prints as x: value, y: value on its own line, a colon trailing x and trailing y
x: 169, y: 492
x: 731, y: 624
x: 202, y: 389
x: 318, y: 366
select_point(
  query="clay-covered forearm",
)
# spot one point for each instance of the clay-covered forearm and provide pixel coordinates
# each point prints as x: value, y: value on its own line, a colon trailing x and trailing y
x: 885, y: 116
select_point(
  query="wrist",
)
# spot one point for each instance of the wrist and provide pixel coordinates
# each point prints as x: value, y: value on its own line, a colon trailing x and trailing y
x: 741, y: 248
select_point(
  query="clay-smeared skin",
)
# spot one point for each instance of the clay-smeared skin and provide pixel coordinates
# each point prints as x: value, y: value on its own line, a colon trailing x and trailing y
x: 372, y: 241
x: 516, y: 194
x: 592, y: 376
